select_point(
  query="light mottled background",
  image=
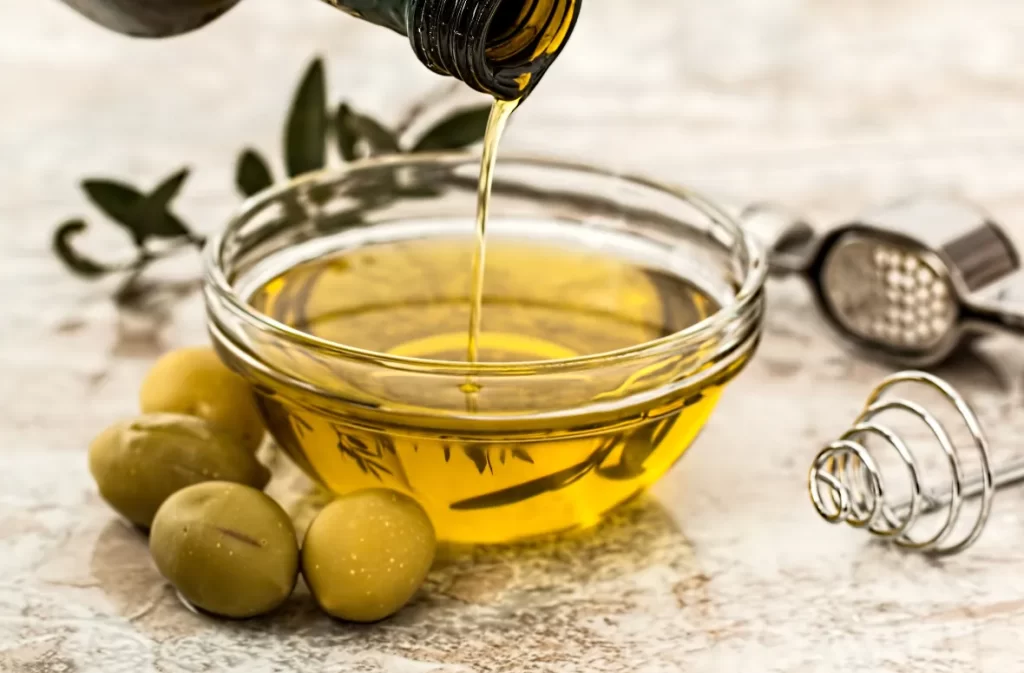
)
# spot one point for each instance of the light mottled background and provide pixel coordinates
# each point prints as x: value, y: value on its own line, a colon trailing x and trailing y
x: 827, y: 105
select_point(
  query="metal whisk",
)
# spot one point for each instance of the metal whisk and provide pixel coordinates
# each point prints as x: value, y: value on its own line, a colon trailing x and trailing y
x: 907, y: 283
x: 846, y: 484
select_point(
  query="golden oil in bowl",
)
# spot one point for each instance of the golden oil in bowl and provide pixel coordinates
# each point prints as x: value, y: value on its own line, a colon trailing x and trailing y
x: 614, y: 312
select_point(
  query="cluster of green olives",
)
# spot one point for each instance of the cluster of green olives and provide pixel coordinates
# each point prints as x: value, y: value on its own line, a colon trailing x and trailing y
x: 186, y: 471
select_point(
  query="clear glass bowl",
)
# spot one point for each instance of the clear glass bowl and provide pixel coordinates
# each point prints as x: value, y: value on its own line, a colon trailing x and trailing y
x: 495, y: 451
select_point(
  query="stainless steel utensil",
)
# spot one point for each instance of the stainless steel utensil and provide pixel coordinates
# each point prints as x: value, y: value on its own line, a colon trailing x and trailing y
x: 907, y: 283
x: 847, y: 486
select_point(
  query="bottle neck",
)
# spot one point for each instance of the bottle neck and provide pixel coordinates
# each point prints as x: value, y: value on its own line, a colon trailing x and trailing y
x: 499, y: 47
x: 388, y: 13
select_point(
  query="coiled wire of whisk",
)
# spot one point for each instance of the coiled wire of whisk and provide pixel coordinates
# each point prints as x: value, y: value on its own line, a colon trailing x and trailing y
x: 846, y: 484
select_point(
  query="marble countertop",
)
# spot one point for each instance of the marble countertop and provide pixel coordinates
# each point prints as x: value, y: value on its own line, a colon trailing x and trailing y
x: 826, y: 105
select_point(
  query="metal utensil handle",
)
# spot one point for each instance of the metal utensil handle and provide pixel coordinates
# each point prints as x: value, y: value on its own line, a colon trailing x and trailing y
x: 785, y: 236
x: 936, y: 500
x: 1001, y: 306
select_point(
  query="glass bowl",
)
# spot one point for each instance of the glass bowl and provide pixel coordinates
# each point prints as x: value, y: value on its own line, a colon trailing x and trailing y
x: 546, y: 438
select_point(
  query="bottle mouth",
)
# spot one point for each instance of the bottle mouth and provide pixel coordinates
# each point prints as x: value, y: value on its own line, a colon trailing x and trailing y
x: 499, y: 47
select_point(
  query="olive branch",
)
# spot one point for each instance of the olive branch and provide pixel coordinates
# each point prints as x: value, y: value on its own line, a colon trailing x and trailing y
x: 313, y: 126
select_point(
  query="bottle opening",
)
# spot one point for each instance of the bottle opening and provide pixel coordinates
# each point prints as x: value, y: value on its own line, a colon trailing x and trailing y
x: 521, y: 31
x: 500, y: 47
x: 511, y: 17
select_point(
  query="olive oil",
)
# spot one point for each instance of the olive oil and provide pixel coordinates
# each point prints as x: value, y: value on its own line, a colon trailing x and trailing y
x: 500, y: 113
x: 509, y: 468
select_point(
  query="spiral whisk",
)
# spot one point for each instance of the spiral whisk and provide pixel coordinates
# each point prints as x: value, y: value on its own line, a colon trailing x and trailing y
x: 847, y: 486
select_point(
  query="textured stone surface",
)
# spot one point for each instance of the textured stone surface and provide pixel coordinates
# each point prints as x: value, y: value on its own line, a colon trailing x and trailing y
x: 828, y: 105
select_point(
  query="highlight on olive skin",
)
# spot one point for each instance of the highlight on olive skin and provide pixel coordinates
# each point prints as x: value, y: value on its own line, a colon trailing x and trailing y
x: 227, y: 549
x: 194, y: 381
x: 139, y: 463
x: 366, y: 554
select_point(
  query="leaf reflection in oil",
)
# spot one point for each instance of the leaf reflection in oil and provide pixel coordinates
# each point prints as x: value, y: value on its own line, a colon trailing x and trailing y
x: 546, y: 484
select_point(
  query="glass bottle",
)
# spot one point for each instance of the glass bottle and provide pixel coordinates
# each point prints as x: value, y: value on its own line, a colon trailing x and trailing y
x: 499, y: 47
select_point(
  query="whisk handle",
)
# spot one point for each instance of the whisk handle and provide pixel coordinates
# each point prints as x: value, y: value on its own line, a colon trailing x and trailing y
x: 935, y: 501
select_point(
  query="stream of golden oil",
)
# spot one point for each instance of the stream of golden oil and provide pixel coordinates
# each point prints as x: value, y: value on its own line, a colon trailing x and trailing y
x: 501, y: 110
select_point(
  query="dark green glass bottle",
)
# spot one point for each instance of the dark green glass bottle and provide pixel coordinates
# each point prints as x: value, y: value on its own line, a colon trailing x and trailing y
x: 500, y: 47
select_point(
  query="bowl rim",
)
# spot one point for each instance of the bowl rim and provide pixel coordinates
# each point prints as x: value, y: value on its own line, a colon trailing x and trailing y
x: 745, y: 302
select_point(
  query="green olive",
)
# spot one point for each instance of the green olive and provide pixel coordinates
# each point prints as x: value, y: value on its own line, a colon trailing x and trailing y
x: 366, y: 554
x: 194, y: 381
x: 228, y: 549
x: 139, y: 463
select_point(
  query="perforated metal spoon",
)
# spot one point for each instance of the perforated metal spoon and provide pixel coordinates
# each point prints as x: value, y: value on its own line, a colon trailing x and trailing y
x: 907, y: 283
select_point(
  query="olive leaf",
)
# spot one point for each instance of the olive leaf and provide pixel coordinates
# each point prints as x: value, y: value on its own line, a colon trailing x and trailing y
x: 306, y: 132
x: 457, y: 131
x: 122, y: 203
x: 354, y: 129
x: 252, y: 175
x: 637, y: 448
x: 74, y: 260
x: 167, y: 190
x: 159, y: 220
x: 366, y: 459
x: 345, y: 133
x: 515, y: 452
x: 522, y: 455
x: 380, y: 140
x: 478, y: 454
x: 162, y: 223
x: 143, y: 216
